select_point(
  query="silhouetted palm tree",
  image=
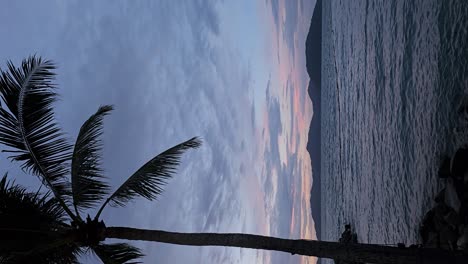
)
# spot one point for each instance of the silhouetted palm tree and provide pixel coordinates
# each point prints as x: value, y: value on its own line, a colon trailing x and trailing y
x: 28, y: 128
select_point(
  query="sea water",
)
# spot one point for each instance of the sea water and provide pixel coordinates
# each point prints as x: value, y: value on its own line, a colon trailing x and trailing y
x: 394, y: 75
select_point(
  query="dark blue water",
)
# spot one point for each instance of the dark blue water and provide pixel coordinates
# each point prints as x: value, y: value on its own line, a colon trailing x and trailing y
x: 394, y: 74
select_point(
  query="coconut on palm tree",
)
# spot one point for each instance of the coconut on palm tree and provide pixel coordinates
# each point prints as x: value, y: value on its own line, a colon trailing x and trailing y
x: 74, y: 176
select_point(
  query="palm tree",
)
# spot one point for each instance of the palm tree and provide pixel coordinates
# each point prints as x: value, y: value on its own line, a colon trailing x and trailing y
x: 28, y: 128
x: 74, y: 176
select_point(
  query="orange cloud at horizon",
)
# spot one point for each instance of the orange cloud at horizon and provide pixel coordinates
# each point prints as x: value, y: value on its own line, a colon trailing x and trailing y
x: 289, y: 82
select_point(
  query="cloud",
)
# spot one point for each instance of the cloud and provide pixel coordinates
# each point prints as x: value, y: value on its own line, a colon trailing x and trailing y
x: 169, y: 78
x: 171, y: 75
x: 290, y: 25
x: 275, y: 11
x: 286, y: 20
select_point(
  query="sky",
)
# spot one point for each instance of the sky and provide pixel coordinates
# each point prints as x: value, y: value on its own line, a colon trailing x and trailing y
x: 231, y: 72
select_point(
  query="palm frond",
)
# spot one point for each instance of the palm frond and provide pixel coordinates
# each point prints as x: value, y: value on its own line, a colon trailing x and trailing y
x: 30, y: 220
x: 64, y: 254
x: 118, y: 253
x: 21, y: 208
x: 148, y: 181
x: 86, y: 173
x: 29, y: 128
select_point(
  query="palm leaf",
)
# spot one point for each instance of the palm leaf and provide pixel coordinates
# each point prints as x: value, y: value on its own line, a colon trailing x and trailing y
x: 29, y: 128
x: 32, y: 225
x: 63, y: 254
x: 86, y: 173
x: 21, y: 208
x: 119, y: 253
x: 148, y: 181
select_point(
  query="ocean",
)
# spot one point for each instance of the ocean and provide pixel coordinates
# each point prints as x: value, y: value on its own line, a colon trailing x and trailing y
x: 394, y: 74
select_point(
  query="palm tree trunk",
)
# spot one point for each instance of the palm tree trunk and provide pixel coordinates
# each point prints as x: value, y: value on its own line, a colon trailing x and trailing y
x: 350, y: 252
